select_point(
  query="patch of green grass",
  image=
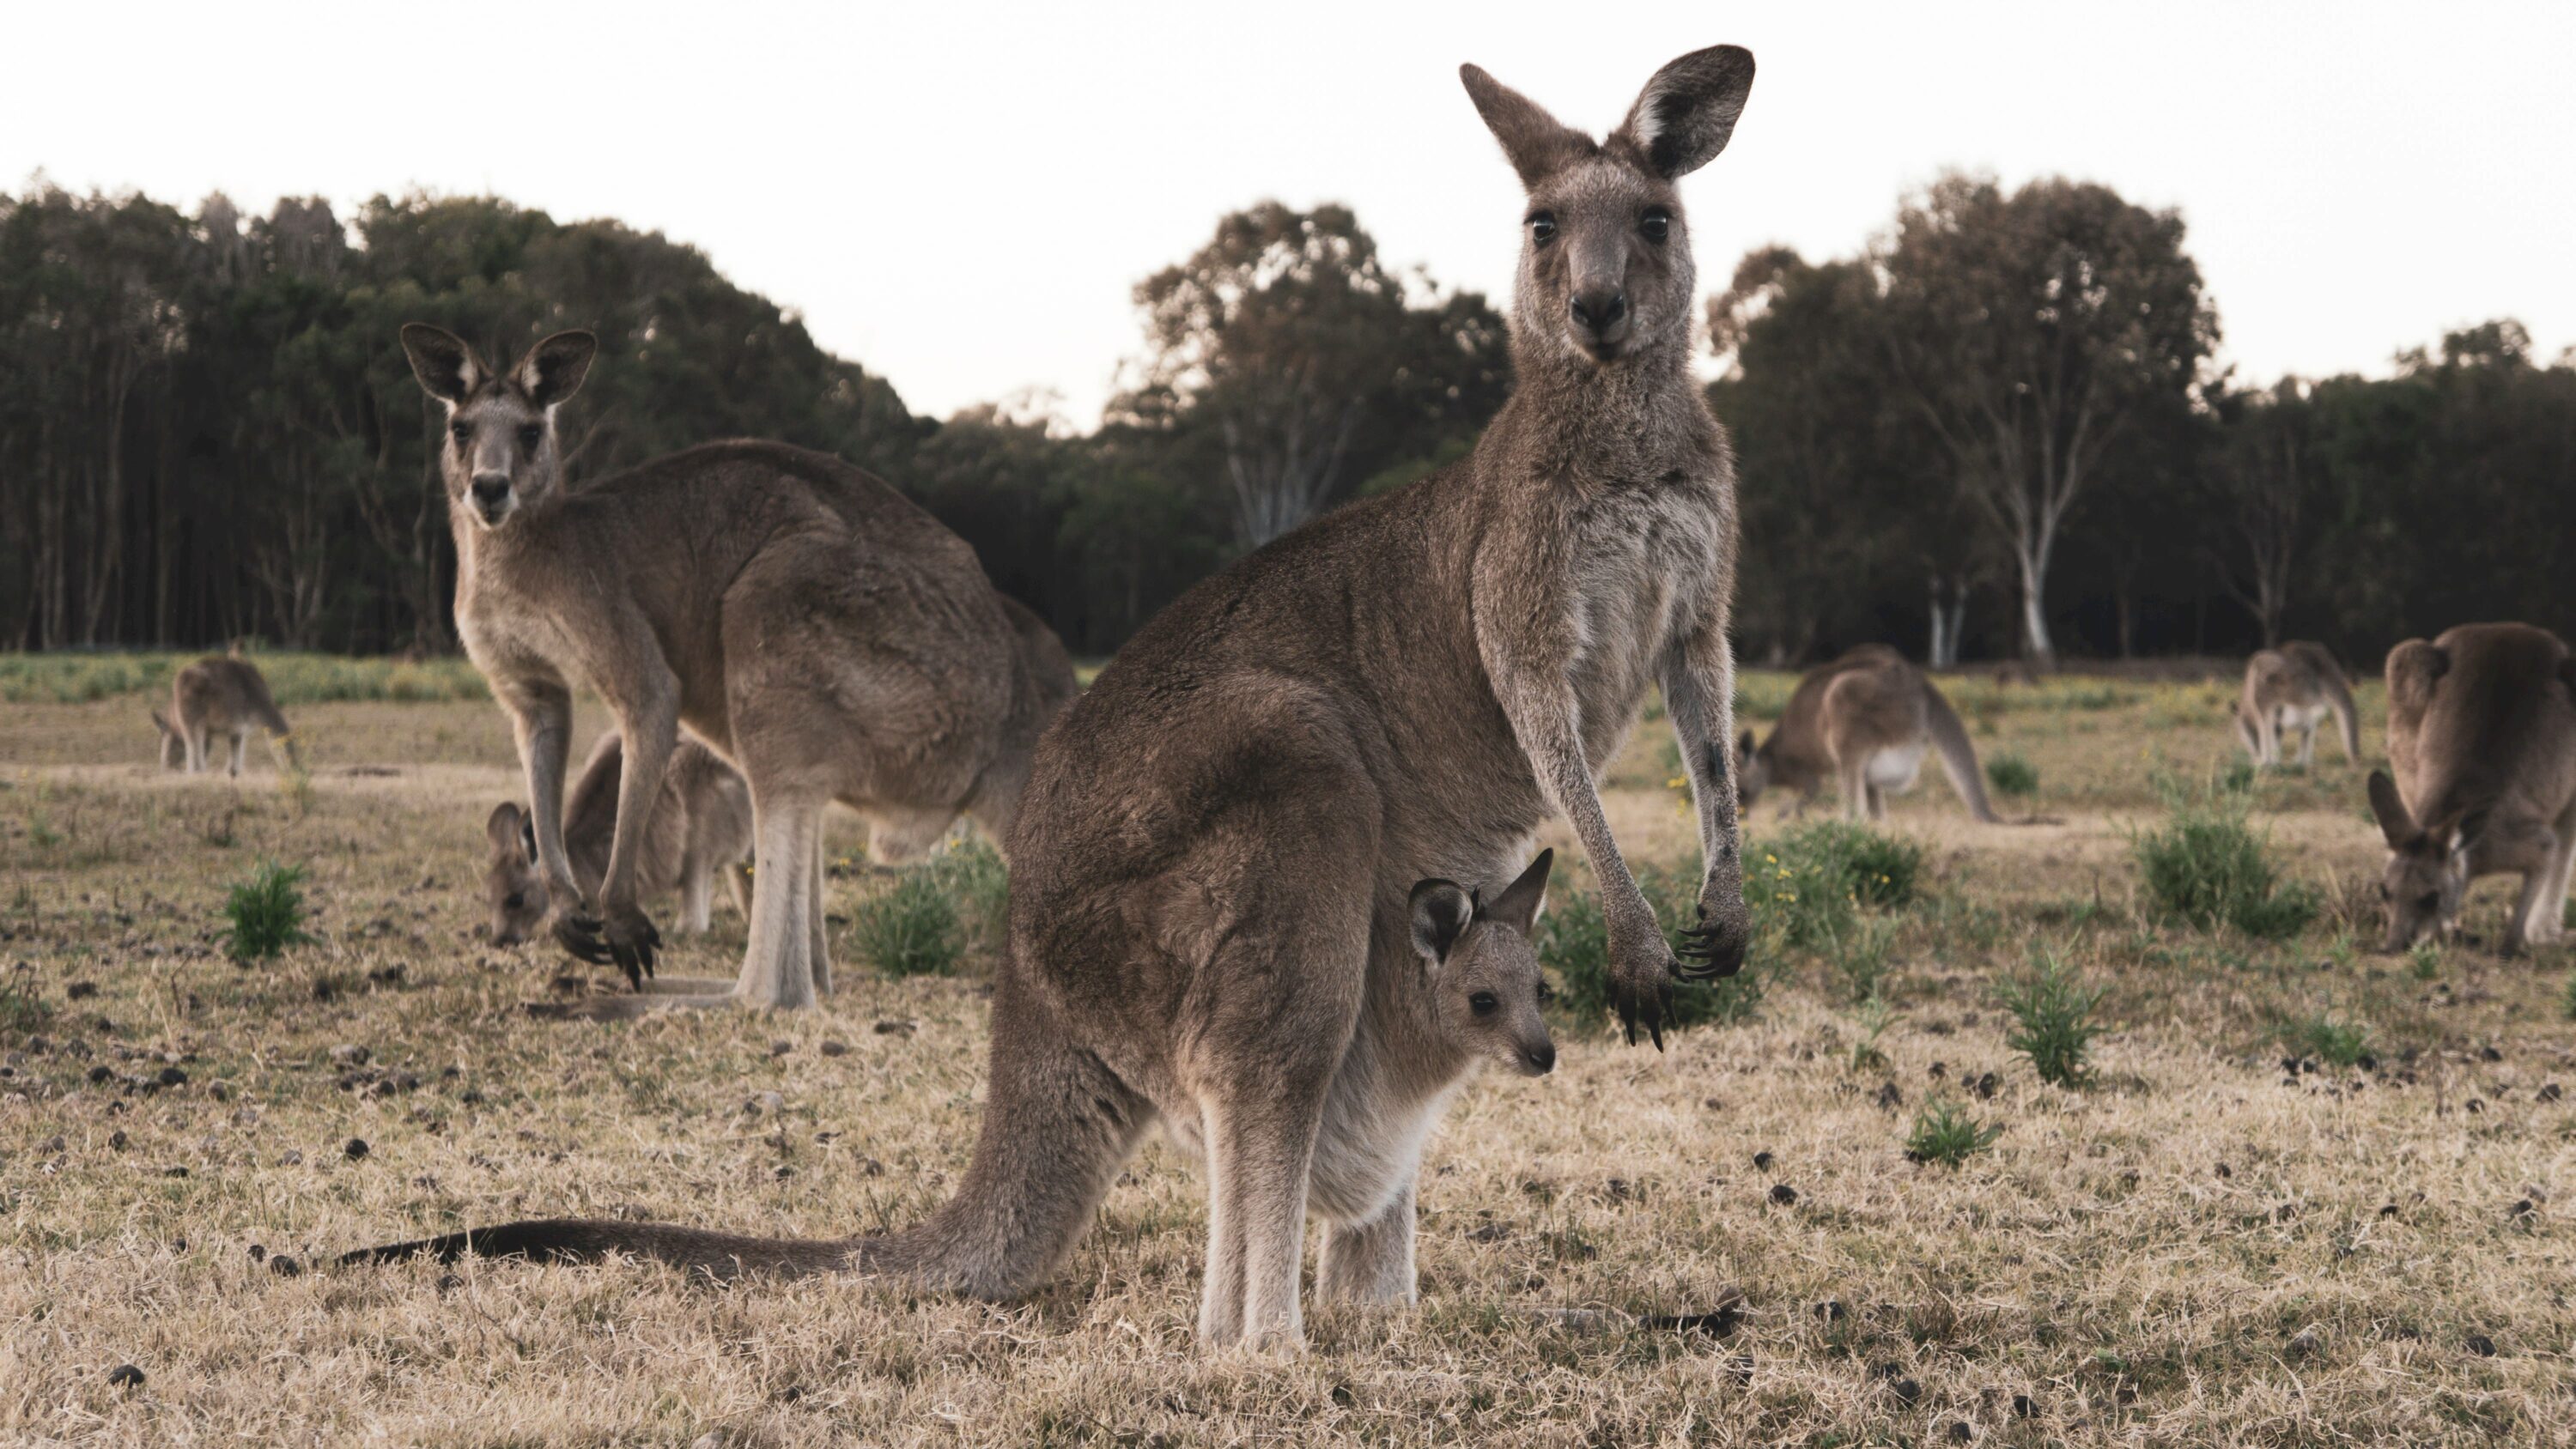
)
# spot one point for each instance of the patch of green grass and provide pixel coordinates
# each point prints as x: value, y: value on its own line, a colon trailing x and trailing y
x: 22, y: 1011
x: 978, y: 883
x: 2053, y: 1021
x: 1807, y: 885
x: 2206, y: 868
x: 1876, y: 1016
x: 2567, y: 1001
x: 265, y: 914
x: 78, y: 678
x: 1574, y: 942
x: 911, y: 930
x: 1859, y: 955
x: 1945, y: 1133
x: 2424, y: 963
x: 2328, y: 1037
x: 2012, y: 775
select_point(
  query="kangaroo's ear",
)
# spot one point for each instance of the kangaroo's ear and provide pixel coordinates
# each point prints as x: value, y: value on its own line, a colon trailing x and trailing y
x: 159, y: 723
x: 1441, y: 912
x: 1535, y: 142
x: 447, y: 365
x: 2396, y: 825
x: 554, y: 368
x: 1521, y: 901
x: 1684, y: 116
x: 1744, y: 745
x: 504, y: 827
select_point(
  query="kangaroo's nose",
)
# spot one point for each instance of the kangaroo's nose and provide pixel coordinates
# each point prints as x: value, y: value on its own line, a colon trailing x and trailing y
x: 491, y: 488
x: 1600, y: 309
x: 1541, y: 1058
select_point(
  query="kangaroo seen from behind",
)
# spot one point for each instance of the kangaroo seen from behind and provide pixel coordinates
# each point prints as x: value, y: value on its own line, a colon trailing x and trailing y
x: 701, y: 829
x: 221, y: 697
x: 2482, y: 737
x: 1862, y: 724
x: 813, y: 626
x: 1227, y: 870
x: 2294, y: 688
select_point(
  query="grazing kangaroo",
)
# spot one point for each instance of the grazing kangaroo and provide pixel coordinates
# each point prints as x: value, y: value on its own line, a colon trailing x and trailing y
x: 814, y: 627
x: 1862, y: 722
x: 701, y: 828
x: 221, y: 695
x: 1219, y: 915
x: 2482, y: 735
x: 2294, y: 687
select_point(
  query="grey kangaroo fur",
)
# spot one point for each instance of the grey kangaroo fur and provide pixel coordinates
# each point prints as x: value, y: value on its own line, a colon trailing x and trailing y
x: 1228, y: 871
x: 221, y: 695
x: 2290, y: 688
x: 701, y: 828
x: 2482, y: 736
x: 1862, y: 723
x: 811, y: 625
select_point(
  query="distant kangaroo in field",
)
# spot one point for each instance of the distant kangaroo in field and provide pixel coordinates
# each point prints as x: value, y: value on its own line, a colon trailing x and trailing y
x: 813, y: 626
x: 2294, y: 687
x: 1862, y: 723
x: 1227, y: 874
x: 220, y: 695
x: 2482, y: 735
x: 701, y: 828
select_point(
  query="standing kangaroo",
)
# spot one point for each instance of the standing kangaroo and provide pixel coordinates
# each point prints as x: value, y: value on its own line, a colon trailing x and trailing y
x: 829, y: 638
x: 2294, y: 687
x: 701, y: 827
x: 1862, y: 722
x: 2482, y: 735
x: 1232, y: 863
x: 220, y: 695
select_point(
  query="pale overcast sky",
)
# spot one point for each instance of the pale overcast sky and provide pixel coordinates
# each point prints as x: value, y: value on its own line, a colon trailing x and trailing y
x: 961, y: 195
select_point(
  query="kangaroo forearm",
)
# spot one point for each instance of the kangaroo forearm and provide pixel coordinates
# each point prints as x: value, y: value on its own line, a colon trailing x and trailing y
x: 1547, y: 736
x: 1699, y: 698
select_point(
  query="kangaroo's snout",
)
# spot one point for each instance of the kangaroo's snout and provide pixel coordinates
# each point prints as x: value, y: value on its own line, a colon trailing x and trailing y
x: 492, y: 495
x: 1539, y: 1059
x: 1602, y: 312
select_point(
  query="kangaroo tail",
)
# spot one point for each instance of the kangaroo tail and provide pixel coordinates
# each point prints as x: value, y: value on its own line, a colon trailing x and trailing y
x: 1958, y: 757
x: 1057, y: 1127
x: 587, y: 1240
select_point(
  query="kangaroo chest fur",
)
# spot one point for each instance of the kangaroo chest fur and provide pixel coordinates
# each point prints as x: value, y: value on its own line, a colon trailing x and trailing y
x: 1645, y: 561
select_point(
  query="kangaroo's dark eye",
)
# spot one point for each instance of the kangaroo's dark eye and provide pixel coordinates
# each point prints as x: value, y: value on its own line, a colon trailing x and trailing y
x: 2428, y: 901
x: 1483, y: 1003
x: 530, y: 436
x: 461, y: 431
x: 515, y: 900
x: 1542, y: 227
x: 1657, y: 224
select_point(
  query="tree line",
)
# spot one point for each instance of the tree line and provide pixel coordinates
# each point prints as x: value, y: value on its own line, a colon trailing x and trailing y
x: 1997, y: 429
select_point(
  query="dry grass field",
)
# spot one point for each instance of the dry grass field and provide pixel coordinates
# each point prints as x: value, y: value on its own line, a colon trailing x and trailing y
x: 2198, y: 1244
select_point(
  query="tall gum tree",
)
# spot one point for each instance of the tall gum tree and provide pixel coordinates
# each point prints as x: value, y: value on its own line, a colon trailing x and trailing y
x: 2031, y: 331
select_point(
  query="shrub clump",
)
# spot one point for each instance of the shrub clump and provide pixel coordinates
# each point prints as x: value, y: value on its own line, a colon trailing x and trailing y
x: 265, y: 914
x: 2012, y: 775
x: 911, y: 930
x: 2206, y: 868
x: 1946, y: 1134
x: 1574, y: 942
x: 2336, y: 1040
x: 2053, y: 1021
x: 1806, y: 887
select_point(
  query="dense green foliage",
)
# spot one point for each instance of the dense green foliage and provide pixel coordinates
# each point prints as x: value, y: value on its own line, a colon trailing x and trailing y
x: 1574, y: 942
x: 2053, y: 1021
x: 265, y: 914
x: 207, y: 430
x: 2205, y: 867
